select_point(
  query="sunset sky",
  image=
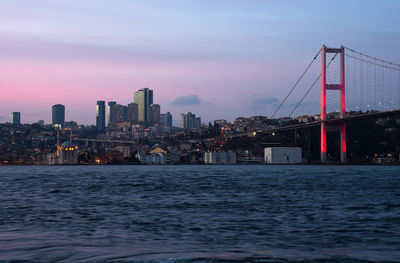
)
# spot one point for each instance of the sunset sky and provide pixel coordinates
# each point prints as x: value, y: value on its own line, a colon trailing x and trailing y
x: 215, y: 58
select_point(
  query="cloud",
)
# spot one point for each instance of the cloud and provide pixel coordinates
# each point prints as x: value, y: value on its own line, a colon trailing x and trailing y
x: 187, y: 100
x: 263, y: 101
x: 2, y: 118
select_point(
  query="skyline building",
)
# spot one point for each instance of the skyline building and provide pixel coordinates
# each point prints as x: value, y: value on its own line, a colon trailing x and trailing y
x: 166, y: 119
x: 109, y: 112
x: 101, y: 115
x: 143, y: 98
x: 58, y: 115
x: 16, y: 118
x: 187, y: 120
x: 132, y: 113
x: 197, y: 122
x: 154, y: 113
x: 119, y: 113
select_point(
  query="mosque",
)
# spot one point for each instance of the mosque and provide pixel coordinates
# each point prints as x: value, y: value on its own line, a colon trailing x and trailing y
x: 67, y: 153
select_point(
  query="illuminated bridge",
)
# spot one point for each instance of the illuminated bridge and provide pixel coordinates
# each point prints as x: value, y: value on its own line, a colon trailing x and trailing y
x: 350, y: 81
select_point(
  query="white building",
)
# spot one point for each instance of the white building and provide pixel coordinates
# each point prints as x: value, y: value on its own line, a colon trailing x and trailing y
x: 157, y: 156
x: 220, y: 158
x: 282, y: 155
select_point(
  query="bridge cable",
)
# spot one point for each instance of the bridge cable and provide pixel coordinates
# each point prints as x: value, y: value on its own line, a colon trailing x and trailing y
x: 373, y: 63
x: 308, y: 91
x: 295, y: 85
x: 373, y: 58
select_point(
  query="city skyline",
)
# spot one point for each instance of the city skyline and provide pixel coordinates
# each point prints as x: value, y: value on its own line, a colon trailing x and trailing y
x: 210, y: 58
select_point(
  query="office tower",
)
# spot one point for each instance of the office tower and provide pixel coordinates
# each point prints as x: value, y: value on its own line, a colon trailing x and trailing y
x: 154, y: 113
x: 101, y: 115
x: 41, y: 122
x: 166, y: 119
x: 119, y: 113
x: 132, y: 112
x: 16, y: 118
x: 188, y: 120
x: 58, y: 115
x: 143, y: 98
x: 109, y: 111
x: 197, y: 122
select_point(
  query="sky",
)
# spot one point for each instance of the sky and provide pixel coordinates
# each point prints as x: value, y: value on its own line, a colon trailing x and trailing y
x: 219, y: 59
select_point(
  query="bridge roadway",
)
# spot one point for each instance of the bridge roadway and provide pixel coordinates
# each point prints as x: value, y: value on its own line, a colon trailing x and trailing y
x: 103, y: 141
x: 281, y: 129
x: 317, y: 123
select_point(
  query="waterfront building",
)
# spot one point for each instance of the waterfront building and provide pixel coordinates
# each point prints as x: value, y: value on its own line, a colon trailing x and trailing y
x: 58, y: 115
x: 166, y: 119
x: 67, y: 153
x: 101, y: 115
x: 154, y: 113
x: 109, y: 112
x: 133, y: 113
x: 16, y: 118
x: 282, y: 155
x: 220, y: 158
x: 143, y: 98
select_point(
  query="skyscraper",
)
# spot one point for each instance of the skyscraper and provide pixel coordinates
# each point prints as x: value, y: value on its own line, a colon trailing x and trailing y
x: 188, y: 120
x: 119, y: 113
x: 197, y: 122
x: 154, y: 113
x: 143, y: 98
x: 109, y: 111
x: 58, y: 115
x: 132, y: 112
x: 101, y: 115
x: 16, y: 118
x: 166, y: 119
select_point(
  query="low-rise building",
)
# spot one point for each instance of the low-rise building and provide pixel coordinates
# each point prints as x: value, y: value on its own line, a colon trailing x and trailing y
x: 282, y: 155
x: 220, y: 158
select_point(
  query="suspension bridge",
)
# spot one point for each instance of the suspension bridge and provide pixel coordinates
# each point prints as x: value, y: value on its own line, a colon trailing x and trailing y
x: 354, y: 85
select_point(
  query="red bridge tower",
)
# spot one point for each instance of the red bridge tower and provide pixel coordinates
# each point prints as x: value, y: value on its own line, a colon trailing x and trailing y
x: 340, y: 87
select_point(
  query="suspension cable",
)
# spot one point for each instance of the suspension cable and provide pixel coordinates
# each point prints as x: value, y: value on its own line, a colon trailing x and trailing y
x: 373, y: 63
x: 365, y: 55
x: 308, y: 91
x: 295, y: 85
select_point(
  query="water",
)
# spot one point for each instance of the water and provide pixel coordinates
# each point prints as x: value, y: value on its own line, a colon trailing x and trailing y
x: 200, y: 214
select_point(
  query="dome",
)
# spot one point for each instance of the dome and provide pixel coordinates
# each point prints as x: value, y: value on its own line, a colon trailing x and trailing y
x: 69, y: 145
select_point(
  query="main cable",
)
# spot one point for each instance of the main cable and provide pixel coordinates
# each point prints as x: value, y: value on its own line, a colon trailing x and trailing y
x: 308, y: 91
x: 295, y: 85
x: 365, y: 55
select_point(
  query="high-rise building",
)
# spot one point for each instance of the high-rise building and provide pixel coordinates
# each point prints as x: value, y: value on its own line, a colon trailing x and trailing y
x: 58, y: 115
x: 188, y: 120
x: 154, y: 113
x: 143, y: 98
x: 166, y: 119
x: 132, y: 113
x: 16, y: 118
x: 109, y: 111
x: 119, y: 113
x: 197, y: 122
x: 101, y: 115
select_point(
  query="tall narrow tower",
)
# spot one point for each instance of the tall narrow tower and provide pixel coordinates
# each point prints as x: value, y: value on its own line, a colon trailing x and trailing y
x: 101, y: 115
x: 143, y: 98
x: 340, y: 87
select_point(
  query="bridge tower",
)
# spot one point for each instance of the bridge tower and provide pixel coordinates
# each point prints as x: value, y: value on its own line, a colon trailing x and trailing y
x: 341, y: 88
